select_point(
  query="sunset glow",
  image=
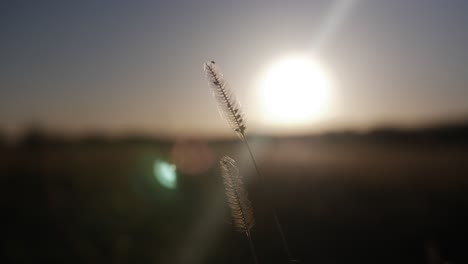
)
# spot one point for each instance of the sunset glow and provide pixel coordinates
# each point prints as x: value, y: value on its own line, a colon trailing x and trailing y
x: 295, y: 90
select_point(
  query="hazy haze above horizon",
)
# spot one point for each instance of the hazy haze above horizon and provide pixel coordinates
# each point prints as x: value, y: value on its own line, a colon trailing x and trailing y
x: 127, y: 66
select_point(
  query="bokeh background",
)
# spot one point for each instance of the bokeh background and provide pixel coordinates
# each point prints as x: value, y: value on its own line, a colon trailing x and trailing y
x: 110, y: 136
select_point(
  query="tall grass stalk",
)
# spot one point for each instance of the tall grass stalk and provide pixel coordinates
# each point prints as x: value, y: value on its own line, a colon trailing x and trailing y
x: 231, y: 111
x: 239, y: 203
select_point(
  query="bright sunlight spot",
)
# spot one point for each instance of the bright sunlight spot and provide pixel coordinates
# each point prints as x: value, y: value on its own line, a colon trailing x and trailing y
x: 294, y: 91
x: 165, y: 174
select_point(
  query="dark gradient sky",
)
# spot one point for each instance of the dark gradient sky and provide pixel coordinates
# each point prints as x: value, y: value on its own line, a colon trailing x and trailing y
x: 120, y: 66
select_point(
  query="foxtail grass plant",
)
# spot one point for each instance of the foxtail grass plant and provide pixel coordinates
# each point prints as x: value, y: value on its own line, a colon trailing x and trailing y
x: 239, y: 203
x: 230, y: 110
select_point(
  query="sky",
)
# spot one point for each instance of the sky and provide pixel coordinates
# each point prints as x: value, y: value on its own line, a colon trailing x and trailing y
x: 137, y: 66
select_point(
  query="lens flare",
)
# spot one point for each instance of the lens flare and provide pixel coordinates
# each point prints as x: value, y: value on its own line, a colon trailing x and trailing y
x: 165, y: 174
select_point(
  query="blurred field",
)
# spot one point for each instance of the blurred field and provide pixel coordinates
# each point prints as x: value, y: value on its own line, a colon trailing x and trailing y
x: 382, y: 197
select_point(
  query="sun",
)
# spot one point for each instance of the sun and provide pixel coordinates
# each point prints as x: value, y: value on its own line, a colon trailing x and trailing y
x: 294, y: 90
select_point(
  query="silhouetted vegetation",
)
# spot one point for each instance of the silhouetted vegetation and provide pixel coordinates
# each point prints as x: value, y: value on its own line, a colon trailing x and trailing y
x: 3, y: 140
x: 389, y: 196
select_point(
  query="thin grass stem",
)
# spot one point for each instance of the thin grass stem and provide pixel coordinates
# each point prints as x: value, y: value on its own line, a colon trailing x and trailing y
x: 252, y: 247
x: 275, y: 214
